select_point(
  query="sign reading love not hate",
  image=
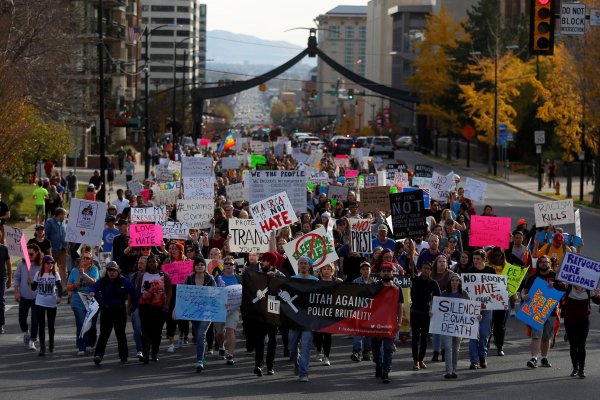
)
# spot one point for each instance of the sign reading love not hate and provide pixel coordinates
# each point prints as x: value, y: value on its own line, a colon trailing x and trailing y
x: 489, y: 231
x: 559, y: 212
x: 178, y: 270
x: 274, y: 212
x: 145, y: 235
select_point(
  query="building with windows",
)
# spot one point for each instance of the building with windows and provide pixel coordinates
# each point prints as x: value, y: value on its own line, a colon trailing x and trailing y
x: 177, y: 41
x: 342, y: 35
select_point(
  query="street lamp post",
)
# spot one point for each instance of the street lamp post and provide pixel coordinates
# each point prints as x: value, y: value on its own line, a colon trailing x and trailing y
x: 495, y: 151
x: 173, y: 115
x: 101, y: 104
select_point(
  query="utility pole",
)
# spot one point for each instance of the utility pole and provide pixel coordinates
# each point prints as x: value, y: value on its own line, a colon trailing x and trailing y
x: 101, y: 102
x: 146, y: 106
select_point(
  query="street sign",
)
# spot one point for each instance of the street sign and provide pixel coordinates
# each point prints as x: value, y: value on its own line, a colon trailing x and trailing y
x: 595, y: 17
x: 468, y: 132
x: 502, y: 128
x: 572, y: 19
x: 539, y: 137
x: 538, y: 149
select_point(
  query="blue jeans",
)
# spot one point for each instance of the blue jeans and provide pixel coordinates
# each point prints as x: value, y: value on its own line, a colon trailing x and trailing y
x: 136, y: 324
x: 89, y: 339
x: 361, y: 344
x: 2, y: 288
x: 200, y: 328
x: 436, y: 342
x: 304, y: 339
x: 24, y: 306
x: 383, y: 348
x: 478, y: 347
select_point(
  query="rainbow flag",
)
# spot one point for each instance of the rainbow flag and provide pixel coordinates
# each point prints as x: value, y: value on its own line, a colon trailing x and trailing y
x: 227, y: 143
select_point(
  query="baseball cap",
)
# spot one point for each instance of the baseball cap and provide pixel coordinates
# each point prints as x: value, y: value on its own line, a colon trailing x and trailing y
x: 110, y: 218
x: 112, y: 207
x: 39, y: 227
x: 387, y: 265
x: 558, y: 238
x: 48, y: 259
x: 382, y: 227
x: 521, y: 221
x: 91, y: 186
x: 112, y: 265
x: 121, y: 222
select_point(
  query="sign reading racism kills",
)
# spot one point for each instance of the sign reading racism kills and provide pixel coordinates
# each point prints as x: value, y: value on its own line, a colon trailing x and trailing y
x: 408, y: 217
x: 341, y: 308
x: 559, y: 212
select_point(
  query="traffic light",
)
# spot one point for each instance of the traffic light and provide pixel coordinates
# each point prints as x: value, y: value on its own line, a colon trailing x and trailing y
x: 541, y: 30
x: 314, y: 94
x: 350, y: 94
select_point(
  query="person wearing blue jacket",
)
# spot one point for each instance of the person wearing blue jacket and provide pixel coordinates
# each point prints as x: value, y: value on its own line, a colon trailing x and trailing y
x: 117, y: 298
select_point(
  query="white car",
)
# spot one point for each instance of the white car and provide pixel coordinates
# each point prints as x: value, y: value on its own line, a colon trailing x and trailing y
x: 382, y: 145
x: 305, y: 142
x: 405, y: 142
x: 313, y: 145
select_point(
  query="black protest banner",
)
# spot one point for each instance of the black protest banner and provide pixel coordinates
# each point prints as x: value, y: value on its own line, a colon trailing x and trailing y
x: 342, y: 308
x: 423, y: 171
x: 408, y: 217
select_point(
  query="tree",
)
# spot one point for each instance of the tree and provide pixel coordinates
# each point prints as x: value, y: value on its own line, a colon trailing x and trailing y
x: 433, y: 80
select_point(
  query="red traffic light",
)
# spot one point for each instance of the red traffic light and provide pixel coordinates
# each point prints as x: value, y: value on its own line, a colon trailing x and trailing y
x: 541, y: 29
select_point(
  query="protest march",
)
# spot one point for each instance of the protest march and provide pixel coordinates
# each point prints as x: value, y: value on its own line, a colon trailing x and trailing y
x: 259, y: 240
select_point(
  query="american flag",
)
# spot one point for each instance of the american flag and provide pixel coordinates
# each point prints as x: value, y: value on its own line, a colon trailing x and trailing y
x: 134, y: 33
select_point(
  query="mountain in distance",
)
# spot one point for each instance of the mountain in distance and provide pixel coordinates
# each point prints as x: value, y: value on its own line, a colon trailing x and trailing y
x: 224, y: 47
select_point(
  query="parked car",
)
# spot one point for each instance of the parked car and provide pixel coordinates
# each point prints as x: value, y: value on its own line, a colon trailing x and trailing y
x: 341, y: 145
x: 361, y: 141
x: 304, y: 139
x: 405, y: 142
x: 382, y: 145
x: 308, y: 145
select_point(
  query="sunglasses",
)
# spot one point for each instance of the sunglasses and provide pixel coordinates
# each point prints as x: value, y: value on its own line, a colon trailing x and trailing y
x: 228, y: 263
x: 87, y: 258
x: 31, y: 254
x: 189, y: 250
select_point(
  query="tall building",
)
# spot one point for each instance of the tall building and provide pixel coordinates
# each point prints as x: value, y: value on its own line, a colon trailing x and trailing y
x: 342, y: 35
x: 177, y: 34
x: 121, y: 72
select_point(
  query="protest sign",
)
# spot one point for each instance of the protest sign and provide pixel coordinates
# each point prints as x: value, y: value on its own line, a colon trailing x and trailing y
x: 489, y: 231
x: 200, y: 303
x: 197, y: 166
x: 257, y: 159
x: 317, y: 245
x: 174, y: 230
x: 104, y: 257
x: 375, y: 199
x: 340, y: 308
x: 360, y: 230
x: 230, y: 163
x: 541, y: 304
x: 195, y: 213
x: 370, y: 180
x: 166, y: 193
x: 258, y: 147
x: 423, y: 171
x: 135, y: 187
x: 92, y: 309
x: 203, y: 142
x: 174, y: 166
x: 339, y: 193
x: 401, y: 180
x: 86, y: 222
x: 426, y: 201
x: 141, y: 235
x: 408, y: 218
x: 455, y: 317
x: 12, y: 240
x: 199, y: 188
x: 351, y: 173
x: 440, y: 186
x: 577, y: 223
x: 262, y: 184
x: 421, y: 183
x: 391, y: 170
x: 178, y: 270
x: 578, y: 270
x: 559, y: 212
x: 234, y: 296
x: 318, y: 178
x: 341, y: 161
x: 475, y: 190
x: 272, y: 213
x: 163, y: 174
x: 489, y: 289
x: 246, y: 237
x: 236, y: 192
x: 149, y: 214
x: 514, y: 276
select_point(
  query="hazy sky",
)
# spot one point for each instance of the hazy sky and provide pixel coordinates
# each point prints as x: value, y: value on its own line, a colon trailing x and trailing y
x: 268, y: 19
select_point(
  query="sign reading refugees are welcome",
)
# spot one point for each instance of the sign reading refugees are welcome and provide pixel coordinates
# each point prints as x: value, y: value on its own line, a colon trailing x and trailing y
x: 578, y: 270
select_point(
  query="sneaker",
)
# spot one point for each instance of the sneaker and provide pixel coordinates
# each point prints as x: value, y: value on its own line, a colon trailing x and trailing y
x: 139, y: 355
x: 258, y: 371
x: 26, y: 338
x: 90, y: 350
x: 355, y: 357
x: 270, y: 371
x: 185, y: 340
x: 581, y: 374
x: 385, y: 378
x: 31, y: 345
x: 482, y: 363
x: 1, y: 329
x: 180, y: 343
x: 222, y: 354
x: 209, y: 351
x: 448, y: 376
x: 199, y: 366
x: 171, y: 348
x: 500, y: 353
x: 574, y: 372
x: 532, y: 363
x: 474, y: 366
x: 320, y: 357
x: 155, y: 358
x: 326, y: 361
x: 453, y: 375
x: 97, y: 360
x: 80, y: 353
x: 367, y: 356
x: 546, y: 363
x: 230, y: 360
x: 513, y: 313
x: 304, y: 378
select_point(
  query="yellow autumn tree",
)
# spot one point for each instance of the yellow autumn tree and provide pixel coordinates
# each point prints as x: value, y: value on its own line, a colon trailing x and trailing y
x: 433, y: 80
